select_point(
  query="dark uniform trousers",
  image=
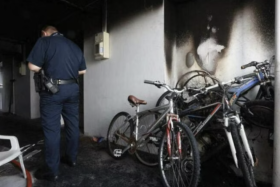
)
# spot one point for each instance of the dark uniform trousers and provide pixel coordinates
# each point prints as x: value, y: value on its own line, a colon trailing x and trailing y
x: 52, y: 106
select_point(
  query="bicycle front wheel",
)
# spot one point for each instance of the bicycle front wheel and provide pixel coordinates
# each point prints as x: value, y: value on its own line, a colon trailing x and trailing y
x: 179, y: 164
x: 244, y: 161
x: 162, y: 99
x: 119, y: 134
x: 178, y: 101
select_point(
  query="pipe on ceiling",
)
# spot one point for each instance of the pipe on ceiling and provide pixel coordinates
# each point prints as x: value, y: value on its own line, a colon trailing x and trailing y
x: 104, y: 16
x: 73, y: 5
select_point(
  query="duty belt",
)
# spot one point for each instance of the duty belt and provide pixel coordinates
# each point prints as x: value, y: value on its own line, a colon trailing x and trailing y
x: 69, y: 81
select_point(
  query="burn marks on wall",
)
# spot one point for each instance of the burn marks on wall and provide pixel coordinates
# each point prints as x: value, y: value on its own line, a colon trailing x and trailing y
x: 169, y: 33
x: 209, y: 49
x: 265, y: 16
x: 120, y: 12
x: 205, y: 27
x: 207, y: 24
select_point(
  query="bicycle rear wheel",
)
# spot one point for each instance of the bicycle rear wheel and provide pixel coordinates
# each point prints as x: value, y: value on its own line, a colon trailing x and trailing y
x: 200, y: 81
x: 244, y: 162
x: 189, y: 74
x: 119, y: 134
x: 182, y: 167
x: 147, y: 150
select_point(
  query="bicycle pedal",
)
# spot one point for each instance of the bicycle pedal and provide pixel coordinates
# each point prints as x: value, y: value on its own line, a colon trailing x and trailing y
x: 117, y: 152
x: 153, y: 138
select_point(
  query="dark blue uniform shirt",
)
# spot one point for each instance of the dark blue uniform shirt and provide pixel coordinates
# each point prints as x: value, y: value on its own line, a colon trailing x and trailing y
x: 59, y: 57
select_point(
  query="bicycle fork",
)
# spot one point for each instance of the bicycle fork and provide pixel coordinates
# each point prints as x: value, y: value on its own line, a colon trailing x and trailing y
x: 170, y: 128
x: 243, y: 138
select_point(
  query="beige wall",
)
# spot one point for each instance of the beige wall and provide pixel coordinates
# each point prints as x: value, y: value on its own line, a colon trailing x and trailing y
x: 136, y: 53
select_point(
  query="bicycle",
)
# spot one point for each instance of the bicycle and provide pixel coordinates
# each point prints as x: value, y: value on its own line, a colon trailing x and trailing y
x: 260, y: 111
x: 231, y: 124
x: 176, y: 153
x: 251, y: 110
x: 195, y: 78
x: 196, y: 109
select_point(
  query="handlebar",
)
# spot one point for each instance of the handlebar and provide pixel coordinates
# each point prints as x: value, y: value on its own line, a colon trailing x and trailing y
x: 159, y: 85
x: 148, y: 82
x: 263, y: 68
x: 253, y: 63
x: 256, y: 64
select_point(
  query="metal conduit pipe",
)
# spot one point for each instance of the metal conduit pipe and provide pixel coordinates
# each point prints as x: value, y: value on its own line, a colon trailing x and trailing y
x: 104, y: 26
x: 91, y: 4
x: 73, y: 5
x: 276, y: 145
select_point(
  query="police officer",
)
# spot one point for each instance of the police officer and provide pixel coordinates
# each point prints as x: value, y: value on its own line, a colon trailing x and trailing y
x: 62, y: 62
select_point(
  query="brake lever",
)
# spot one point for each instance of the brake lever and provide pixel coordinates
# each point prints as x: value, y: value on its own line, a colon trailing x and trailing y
x: 157, y: 85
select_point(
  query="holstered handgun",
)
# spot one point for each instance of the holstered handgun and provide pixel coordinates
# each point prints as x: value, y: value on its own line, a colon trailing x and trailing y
x: 39, y: 81
x: 43, y: 83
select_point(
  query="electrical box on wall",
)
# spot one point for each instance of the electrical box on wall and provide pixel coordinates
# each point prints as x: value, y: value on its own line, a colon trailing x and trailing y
x: 22, y: 68
x: 101, y: 45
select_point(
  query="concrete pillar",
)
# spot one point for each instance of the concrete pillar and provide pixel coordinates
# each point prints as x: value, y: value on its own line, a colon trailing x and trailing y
x: 276, y: 151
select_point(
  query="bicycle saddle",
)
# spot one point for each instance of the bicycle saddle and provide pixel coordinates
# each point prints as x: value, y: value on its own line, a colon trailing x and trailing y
x: 135, y: 101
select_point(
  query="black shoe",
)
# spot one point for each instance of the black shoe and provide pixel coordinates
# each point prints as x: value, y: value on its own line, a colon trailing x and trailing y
x: 44, y: 173
x: 66, y: 160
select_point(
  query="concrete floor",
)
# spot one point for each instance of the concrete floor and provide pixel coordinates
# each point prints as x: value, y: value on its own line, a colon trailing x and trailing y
x: 95, y: 167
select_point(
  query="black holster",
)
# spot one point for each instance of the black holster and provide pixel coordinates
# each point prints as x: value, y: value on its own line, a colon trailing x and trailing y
x: 39, y: 81
x: 43, y: 83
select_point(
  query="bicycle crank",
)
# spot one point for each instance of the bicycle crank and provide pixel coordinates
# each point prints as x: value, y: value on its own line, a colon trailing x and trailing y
x: 133, y: 146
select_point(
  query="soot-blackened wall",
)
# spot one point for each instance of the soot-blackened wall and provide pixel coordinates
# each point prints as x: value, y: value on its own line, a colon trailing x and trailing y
x: 219, y: 36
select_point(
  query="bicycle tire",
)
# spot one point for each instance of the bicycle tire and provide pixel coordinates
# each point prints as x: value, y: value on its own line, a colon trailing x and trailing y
x: 121, y: 125
x: 200, y: 81
x: 265, y: 92
x: 179, y: 170
x: 188, y: 74
x: 147, y: 153
x: 259, y: 113
x: 179, y: 103
x: 162, y: 99
x: 244, y: 162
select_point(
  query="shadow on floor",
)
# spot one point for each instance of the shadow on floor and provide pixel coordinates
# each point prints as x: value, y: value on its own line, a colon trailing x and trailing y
x: 95, y: 167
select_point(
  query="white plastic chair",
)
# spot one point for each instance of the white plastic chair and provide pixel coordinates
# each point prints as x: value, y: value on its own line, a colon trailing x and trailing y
x: 13, y: 153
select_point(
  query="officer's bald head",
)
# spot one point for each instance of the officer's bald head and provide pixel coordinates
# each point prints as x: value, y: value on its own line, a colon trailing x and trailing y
x: 48, y: 30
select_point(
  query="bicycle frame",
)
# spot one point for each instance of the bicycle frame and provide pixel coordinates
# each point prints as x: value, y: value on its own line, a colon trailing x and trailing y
x: 169, y: 119
x: 240, y: 90
x: 242, y: 135
x: 168, y: 108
